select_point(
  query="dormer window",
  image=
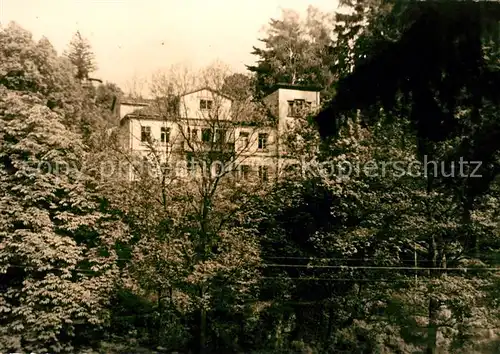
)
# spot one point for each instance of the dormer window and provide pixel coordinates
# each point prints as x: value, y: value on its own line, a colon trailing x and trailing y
x: 206, y: 104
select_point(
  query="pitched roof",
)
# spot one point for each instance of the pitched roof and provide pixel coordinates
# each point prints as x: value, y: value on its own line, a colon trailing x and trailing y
x: 134, y: 101
x: 211, y: 90
x: 156, y: 106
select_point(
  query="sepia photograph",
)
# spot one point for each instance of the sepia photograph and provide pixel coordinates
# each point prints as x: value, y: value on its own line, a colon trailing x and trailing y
x: 250, y: 177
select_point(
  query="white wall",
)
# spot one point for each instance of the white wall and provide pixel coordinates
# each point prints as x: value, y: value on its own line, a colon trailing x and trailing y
x: 252, y: 148
x: 156, y: 125
x: 286, y: 95
x: 193, y: 118
x: 190, y: 105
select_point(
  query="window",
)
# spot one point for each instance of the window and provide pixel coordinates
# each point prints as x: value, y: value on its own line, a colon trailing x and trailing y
x: 220, y: 135
x: 263, y: 173
x: 165, y: 135
x: 206, y: 135
x: 206, y: 104
x: 245, y: 171
x: 145, y: 133
x: 190, y: 162
x: 244, y: 138
x: 262, y: 141
x: 291, y: 110
x: 194, y: 134
x: 146, y: 165
x: 165, y: 168
x: 297, y: 108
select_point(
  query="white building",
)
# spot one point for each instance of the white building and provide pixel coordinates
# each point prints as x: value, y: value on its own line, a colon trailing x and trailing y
x: 246, y: 136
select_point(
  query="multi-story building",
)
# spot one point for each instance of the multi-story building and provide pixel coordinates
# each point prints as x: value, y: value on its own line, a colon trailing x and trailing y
x: 208, y: 127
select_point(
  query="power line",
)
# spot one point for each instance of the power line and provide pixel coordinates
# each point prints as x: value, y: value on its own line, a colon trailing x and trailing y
x: 334, y: 259
x: 345, y: 259
x: 359, y: 259
x: 347, y: 267
x: 345, y: 279
x: 340, y: 267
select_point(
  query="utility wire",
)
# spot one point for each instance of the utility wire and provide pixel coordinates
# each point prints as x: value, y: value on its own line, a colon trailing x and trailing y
x: 342, y: 267
x: 345, y: 279
x: 377, y: 267
x: 359, y: 259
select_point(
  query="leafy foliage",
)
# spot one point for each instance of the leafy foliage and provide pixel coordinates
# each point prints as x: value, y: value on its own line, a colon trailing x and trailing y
x: 362, y: 246
x: 57, y: 240
x: 57, y: 248
x: 294, y: 51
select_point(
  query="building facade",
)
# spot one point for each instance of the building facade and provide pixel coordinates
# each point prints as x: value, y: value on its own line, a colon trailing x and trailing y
x: 207, y: 129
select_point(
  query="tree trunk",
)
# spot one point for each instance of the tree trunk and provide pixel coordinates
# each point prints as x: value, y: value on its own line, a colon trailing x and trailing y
x: 467, y: 223
x: 329, y: 330
x: 203, y: 326
x: 432, y: 327
x: 160, y: 316
x: 432, y: 257
x: 433, y: 304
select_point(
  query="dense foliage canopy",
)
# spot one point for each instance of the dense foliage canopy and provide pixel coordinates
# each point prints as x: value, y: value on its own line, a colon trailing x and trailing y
x: 382, y: 241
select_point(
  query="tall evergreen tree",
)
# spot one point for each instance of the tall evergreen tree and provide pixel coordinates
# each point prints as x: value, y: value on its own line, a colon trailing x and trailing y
x: 81, y: 55
x: 294, y: 51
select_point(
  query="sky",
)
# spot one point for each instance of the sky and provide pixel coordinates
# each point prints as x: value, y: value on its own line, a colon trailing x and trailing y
x: 132, y: 39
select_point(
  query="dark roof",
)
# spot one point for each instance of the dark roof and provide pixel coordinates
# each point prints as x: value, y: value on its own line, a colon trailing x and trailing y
x: 136, y: 101
x: 94, y: 79
x: 296, y: 87
x: 155, y: 106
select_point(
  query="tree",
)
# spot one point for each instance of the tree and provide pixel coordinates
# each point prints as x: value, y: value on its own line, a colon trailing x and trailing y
x: 34, y: 66
x: 57, y: 236
x: 108, y: 98
x: 81, y: 56
x: 460, y: 99
x: 294, y: 52
x: 56, y: 247
x: 426, y: 20
x: 189, y: 202
x: 238, y: 86
x: 342, y: 244
x: 383, y: 221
